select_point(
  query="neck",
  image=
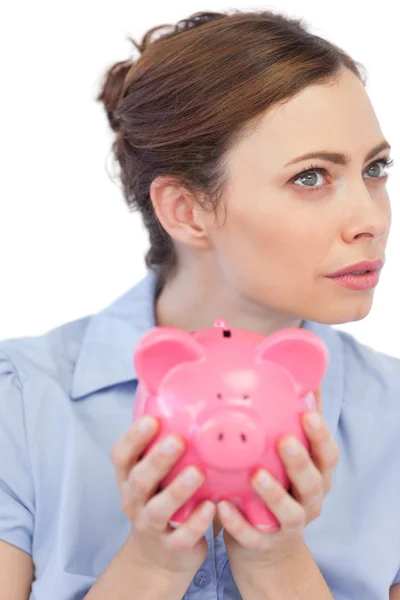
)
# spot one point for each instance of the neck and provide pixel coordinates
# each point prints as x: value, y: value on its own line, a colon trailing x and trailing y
x: 193, y: 298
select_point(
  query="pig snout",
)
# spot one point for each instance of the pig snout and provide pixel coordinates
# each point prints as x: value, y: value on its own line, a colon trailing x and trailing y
x: 230, y: 441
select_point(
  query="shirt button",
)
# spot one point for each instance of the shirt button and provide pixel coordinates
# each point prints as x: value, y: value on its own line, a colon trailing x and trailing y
x: 202, y: 579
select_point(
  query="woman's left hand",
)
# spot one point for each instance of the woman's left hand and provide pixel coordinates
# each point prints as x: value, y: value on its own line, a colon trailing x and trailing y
x: 311, y: 480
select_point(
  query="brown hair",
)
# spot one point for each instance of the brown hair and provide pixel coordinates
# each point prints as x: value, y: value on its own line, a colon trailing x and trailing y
x: 196, y: 91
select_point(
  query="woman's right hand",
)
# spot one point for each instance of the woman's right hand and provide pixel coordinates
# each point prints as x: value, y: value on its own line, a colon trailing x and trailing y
x: 159, y: 545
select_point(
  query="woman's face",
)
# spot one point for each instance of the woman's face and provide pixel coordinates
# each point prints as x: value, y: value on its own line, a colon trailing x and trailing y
x: 279, y: 234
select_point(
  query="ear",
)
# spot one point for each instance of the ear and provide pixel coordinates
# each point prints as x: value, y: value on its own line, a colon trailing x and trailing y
x: 161, y: 349
x: 300, y: 352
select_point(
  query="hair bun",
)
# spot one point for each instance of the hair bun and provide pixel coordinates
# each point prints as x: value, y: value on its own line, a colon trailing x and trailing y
x: 113, y: 85
x: 112, y: 90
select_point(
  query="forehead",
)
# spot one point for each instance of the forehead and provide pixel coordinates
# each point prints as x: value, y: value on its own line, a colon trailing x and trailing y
x: 335, y: 116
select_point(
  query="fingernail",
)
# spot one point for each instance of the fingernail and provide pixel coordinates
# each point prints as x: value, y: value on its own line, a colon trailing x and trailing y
x: 292, y: 447
x: 264, y: 480
x: 191, y: 476
x: 224, y: 509
x: 146, y: 424
x: 207, y: 509
x: 314, y: 420
x: 170, y: 445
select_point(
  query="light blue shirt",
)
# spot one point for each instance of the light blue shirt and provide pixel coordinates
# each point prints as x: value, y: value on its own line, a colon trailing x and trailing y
x: 66, y: 396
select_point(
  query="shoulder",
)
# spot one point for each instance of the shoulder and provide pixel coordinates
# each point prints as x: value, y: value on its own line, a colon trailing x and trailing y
x: 49, y: 353
x: 27, y: 363
x: 35, y: 379
x: 363, y: 356
x: 370, y: 374
x: 35, y: 372
x: 86, y: 355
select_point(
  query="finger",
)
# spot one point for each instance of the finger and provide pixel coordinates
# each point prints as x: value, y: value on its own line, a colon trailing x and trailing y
x: 307, y: 481
x: 147, y: 474
x: 290, y: 514
x: 238, y: 527
x: 128, y: 448
x: 318, y: 399
x: 324, y: 450
x: 192, y: 530
x: 160, y: 509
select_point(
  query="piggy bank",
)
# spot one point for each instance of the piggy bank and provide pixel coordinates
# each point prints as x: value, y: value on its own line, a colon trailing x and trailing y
x: 230, y: 394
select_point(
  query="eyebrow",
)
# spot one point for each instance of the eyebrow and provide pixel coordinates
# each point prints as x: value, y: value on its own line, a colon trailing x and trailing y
x: 338, y: 158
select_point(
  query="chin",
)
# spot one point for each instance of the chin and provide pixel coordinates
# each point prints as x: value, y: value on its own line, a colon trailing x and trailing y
x: 343, y: 311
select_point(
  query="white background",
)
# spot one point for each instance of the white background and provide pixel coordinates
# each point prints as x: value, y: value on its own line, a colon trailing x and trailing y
x: 68, y: 245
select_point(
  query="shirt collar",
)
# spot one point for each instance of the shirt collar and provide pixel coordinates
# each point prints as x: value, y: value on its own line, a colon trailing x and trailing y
x: 106, y: 354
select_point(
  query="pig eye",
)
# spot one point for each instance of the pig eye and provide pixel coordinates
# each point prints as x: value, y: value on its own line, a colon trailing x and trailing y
x: 245, y: 397
x: 219, y: 396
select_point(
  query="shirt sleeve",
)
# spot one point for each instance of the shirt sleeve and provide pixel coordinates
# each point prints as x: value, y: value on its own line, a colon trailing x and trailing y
x: 16, y: 488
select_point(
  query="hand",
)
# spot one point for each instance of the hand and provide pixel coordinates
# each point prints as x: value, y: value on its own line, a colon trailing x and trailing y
x: 311, y: 480
x: 159, y: 545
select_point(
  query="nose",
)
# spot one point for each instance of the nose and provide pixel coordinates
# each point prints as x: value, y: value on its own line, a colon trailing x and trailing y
x: 230, y: 441
x: 371, y: 217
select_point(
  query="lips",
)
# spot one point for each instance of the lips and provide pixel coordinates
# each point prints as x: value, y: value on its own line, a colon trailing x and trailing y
x: 358, y: 268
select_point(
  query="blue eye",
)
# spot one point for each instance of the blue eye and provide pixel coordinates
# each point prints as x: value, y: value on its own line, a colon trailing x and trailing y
x: 312, y: 170
x: 385, y: 162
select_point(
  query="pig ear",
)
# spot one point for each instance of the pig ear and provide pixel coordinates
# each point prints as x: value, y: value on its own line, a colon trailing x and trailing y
x: 161, y: 349
x: 300, y: 352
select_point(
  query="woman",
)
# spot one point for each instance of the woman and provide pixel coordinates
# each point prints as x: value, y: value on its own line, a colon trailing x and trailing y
x: 217, y: 125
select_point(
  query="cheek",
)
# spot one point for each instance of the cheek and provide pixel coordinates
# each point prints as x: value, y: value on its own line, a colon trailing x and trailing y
x: 388, y: 210
x: 246, y: 240
x: 277, y: 242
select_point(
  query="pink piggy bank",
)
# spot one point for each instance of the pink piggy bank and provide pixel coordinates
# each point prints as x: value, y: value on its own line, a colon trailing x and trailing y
x: 230, y: 394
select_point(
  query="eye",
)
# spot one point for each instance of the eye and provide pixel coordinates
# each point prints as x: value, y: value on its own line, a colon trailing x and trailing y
x: 386, y: 164
x: 219, y: 396
x: 245, y: 397
x: 310, y: 175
